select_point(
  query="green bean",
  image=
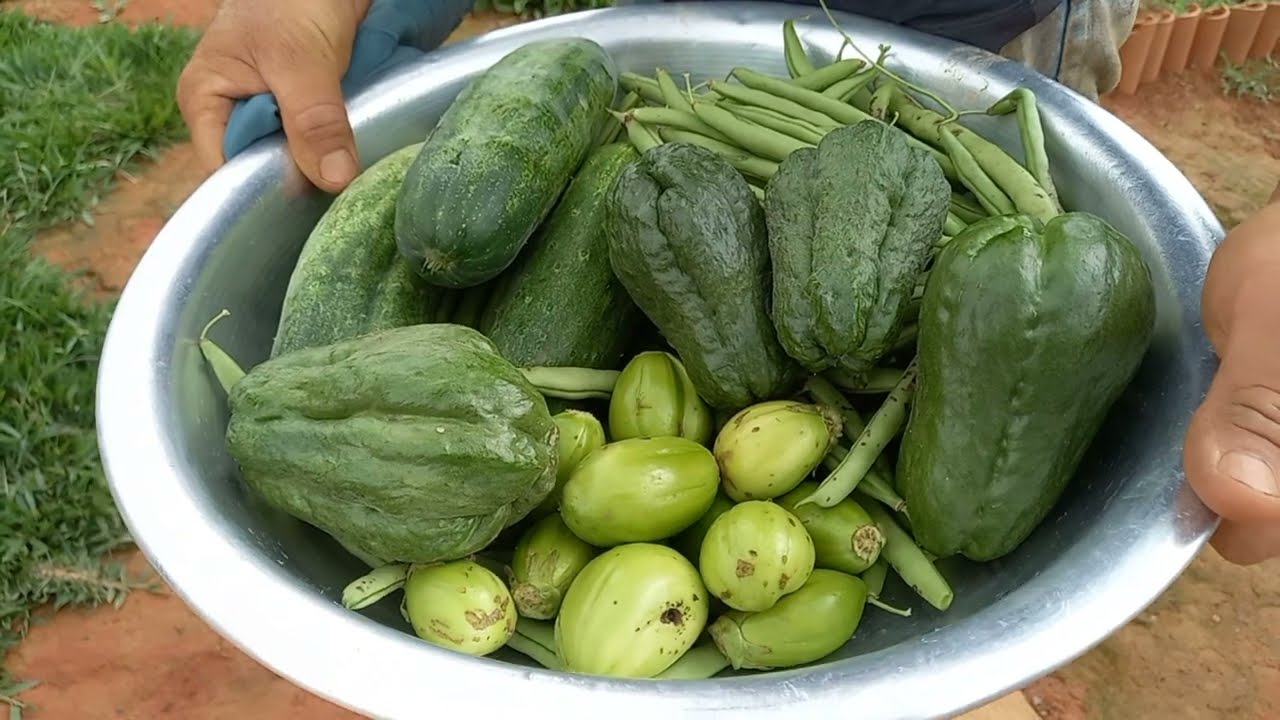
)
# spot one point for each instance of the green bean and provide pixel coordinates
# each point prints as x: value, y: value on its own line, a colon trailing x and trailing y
x: 845, y: 89
x: 883, y: 426
x: 679, y: 119
x: 751, y: 96
x: 1023, y: 101
x: 227, y: 371
x: 907, y: 335
x: 609, y: 129
x: 798, y: 63
x: 944, y: 162
x: 875, y: 576
x: 546, y: 657
x: 745, y: 162
x: 881, y: 98
x: 641, y: 136
x: 700, y: 662
x: 645, y: 87
x: 973, y: 176
x: 874, y: 484
x: 804, y: 103
x: 908, y: 560
x: 1019, y: 187
x: 774, y: 120
x: 953, y: 225
x: 821, y: 128
x: 828, y: 76
x: 572, y: 383
x: 968, y: 211
x: 670, y: 93
x: 815, y: 101
x: 756, y: 139
x: 757, y: 191
x: 873, y: 382
x: 861, y: 99
x: 822, y: 391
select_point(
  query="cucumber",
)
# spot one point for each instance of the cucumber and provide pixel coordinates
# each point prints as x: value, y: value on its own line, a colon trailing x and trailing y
x: 560, y: 303
x: 499, y: 159
x: 349, y: 278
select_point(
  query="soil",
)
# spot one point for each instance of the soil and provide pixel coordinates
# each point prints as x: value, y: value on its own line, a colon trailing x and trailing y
x: 1209, y: 648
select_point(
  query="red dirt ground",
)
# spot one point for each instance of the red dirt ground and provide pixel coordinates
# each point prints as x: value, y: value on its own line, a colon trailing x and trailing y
x: 1209, y: 648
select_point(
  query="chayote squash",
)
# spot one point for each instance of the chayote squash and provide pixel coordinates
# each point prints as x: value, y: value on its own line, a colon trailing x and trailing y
x: 851, y: 225
x: 1028, y: 335
x: 414, y: 444
x: 687, y: 239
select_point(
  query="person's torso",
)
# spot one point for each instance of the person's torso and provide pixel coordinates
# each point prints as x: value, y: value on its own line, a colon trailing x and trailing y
x: 988, y: 24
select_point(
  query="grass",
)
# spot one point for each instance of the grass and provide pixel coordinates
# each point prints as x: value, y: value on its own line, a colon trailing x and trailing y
x: 1258, y: 78
x: 79, y: 106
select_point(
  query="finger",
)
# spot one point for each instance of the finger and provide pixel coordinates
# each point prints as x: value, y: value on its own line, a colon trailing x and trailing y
x: 314, y: 116
x: 206, y: 94
x: 1232, y: 450
x: 1247, y: 544
x: 207, y: 121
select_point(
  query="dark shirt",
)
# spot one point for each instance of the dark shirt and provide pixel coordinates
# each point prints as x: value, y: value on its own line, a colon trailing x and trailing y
x: 988, y: 24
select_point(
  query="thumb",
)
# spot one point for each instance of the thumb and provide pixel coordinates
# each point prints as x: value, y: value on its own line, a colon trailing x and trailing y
x: 1232, y: 450
x: 314, y: 115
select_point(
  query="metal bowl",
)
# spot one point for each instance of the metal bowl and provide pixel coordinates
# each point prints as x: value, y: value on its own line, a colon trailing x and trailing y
x: 1126, y: 528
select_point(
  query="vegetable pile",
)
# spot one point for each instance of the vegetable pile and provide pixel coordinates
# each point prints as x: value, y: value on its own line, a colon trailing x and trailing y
x: 648, y: 379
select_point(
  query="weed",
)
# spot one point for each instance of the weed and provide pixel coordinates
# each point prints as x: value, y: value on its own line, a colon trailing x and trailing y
x: 1258, y: 78
x: 80, y: 105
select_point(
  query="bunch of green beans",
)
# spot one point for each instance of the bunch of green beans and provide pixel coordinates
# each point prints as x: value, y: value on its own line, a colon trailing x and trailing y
x: 755, y: 120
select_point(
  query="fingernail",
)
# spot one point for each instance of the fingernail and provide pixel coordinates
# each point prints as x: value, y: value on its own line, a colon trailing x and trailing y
x: 1251, y: 470
x: 338, y: 167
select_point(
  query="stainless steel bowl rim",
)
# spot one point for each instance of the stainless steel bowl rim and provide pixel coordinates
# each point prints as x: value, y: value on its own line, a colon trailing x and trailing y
x: 380, y: 672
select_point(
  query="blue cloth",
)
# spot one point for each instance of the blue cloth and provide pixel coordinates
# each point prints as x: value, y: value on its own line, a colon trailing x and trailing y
x: 394, y: 32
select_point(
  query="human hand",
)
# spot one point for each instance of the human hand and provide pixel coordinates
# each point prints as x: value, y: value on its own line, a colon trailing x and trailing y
x: 1232, y: 450
x: 297, y: 50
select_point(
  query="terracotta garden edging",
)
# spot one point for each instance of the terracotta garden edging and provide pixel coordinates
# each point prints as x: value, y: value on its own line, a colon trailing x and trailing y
x: 1134, y: 52
x: 1159, y: 44
x: 1212, y: 25
x: 1242, y: 28
x: 1264, y: 43
x: 1181, y: 38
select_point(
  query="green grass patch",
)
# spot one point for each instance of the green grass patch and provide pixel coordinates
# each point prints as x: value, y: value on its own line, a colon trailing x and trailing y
x: 80, y: 104
x: 1258, y: 78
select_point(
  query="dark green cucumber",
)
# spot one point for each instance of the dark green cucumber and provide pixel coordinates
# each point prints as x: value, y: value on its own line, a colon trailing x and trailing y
x: 499, y: 159
x: 1028, y: 336
x: 349, y: 278
x: 560, y: 303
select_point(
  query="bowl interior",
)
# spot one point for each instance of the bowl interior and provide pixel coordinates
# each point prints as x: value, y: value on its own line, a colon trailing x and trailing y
x: 1125, y: 527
